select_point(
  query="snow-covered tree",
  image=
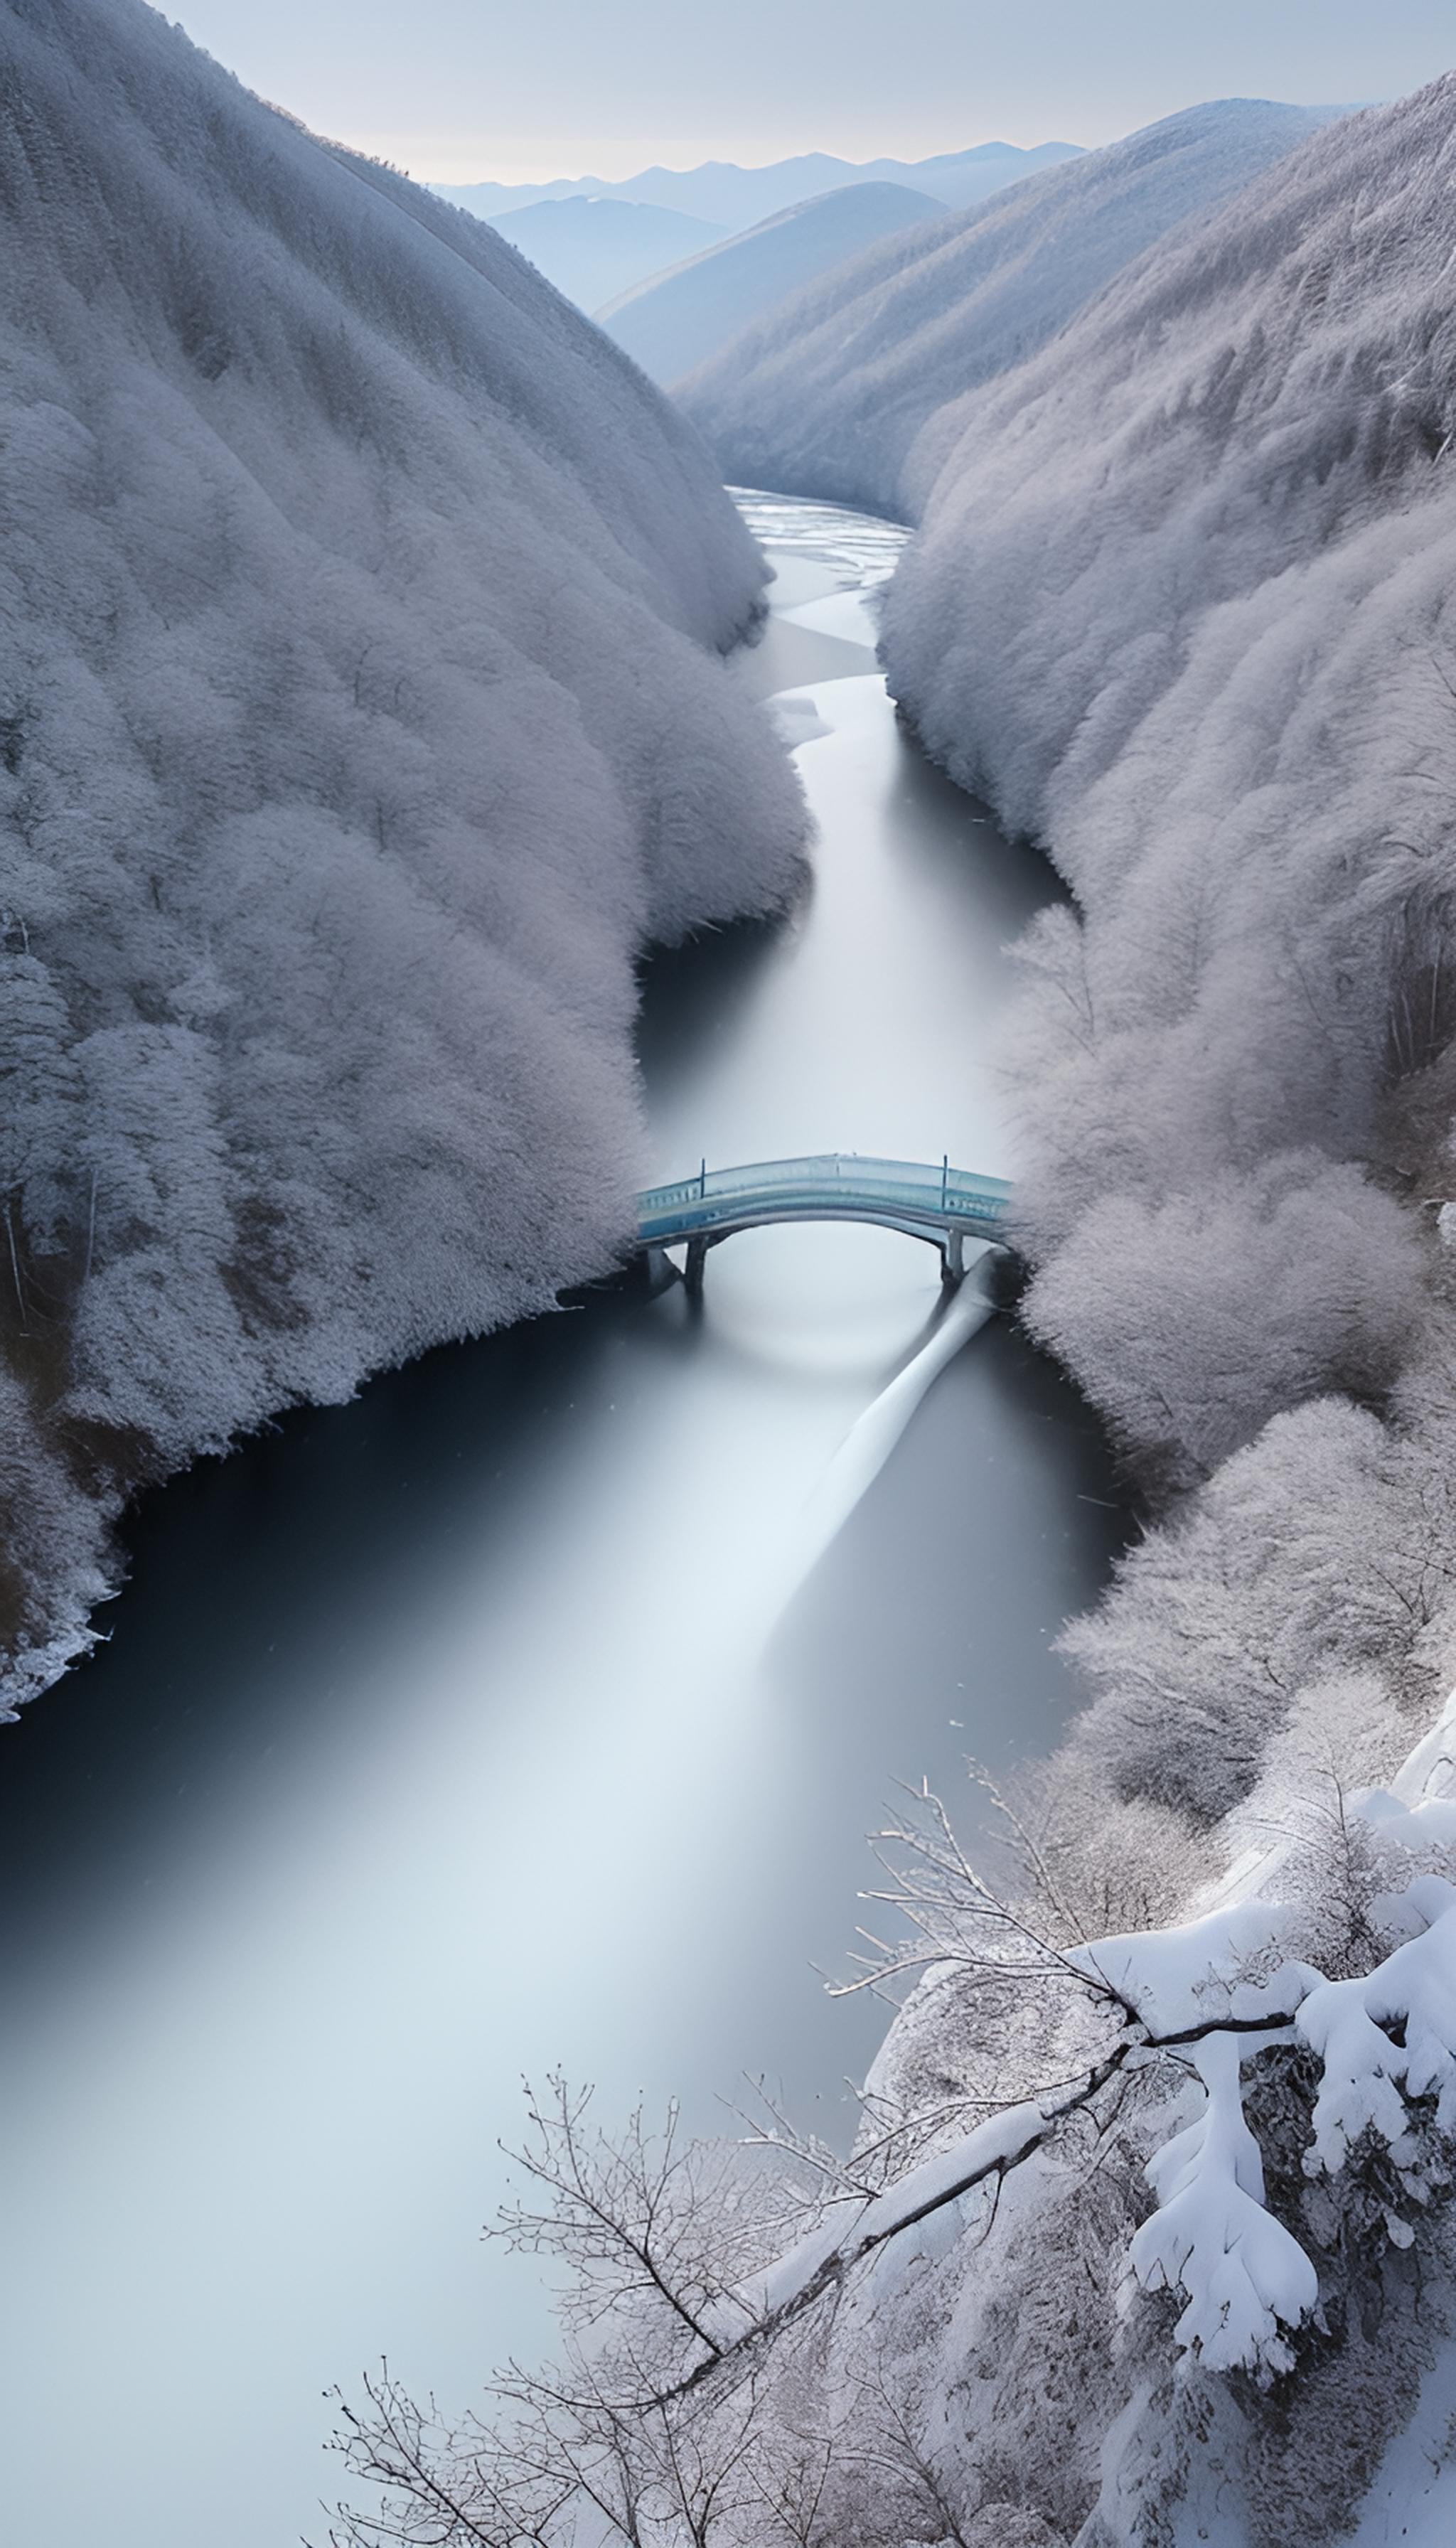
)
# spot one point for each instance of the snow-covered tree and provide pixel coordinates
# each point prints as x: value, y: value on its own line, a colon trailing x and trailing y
x: 1036, y: 2308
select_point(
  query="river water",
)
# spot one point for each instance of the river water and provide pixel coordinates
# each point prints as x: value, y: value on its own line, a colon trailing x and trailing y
x: 498, y: 1719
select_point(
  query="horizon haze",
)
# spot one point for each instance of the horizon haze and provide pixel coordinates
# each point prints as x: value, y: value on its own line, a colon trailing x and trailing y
x: 523, y: 100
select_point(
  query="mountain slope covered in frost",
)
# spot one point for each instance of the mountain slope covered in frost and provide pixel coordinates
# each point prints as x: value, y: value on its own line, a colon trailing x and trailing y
x: 1210, y: 533
x: 1181, y: 607
x: 838, y: 390
x: 360, y: 718
x: 678, y: 319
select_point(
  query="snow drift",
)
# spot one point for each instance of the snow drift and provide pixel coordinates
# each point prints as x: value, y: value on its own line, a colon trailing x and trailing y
x: 838, y: 391
x: 359, y: 720
x: 678, y: 319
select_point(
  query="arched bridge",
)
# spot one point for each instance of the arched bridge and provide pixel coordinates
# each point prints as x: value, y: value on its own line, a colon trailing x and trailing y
x: 943, y: 1205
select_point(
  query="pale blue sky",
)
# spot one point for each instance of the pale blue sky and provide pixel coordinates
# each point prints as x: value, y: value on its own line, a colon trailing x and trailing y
x: 459, y: 89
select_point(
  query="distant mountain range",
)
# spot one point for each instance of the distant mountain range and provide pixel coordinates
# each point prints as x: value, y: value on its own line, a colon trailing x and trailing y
x: 834, y: 388
x: 735, y: 198
x: 594, y: 249
x: 676, y: 321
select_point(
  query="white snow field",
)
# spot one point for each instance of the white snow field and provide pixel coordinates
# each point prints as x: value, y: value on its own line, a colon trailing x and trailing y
x: 827, y: 393
x: 676, y: 321
x: 360, y: 716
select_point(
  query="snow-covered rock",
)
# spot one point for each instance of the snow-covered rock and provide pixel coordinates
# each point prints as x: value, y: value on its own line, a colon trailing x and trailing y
x: 361, y: 717
x: 849, y: 388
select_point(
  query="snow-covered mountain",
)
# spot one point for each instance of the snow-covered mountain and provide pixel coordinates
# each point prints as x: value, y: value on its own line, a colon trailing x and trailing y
x: 1179, y: 602
x: 676, y: 320
x: 828, y: 391
x: 361, y: 717
x: 593, y: 248
x: 1181, y: 607
x: 737, y: 198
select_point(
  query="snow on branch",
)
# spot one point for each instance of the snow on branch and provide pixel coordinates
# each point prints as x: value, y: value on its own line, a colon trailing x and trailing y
x: 823, y: 2261
x: 1203, y: 1993
x: 1390, y: 2031
x: 1245, y: 2278
x: 1224, y: 1968
x: 679, y: 2405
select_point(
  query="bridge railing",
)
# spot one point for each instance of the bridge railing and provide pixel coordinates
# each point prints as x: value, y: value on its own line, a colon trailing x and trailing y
x: 836, y: 1179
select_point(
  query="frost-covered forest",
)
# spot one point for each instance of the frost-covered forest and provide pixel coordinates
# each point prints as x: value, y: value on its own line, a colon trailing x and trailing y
x: 360, y: 718
x: 1147, y: 2237
x: 839, y: 388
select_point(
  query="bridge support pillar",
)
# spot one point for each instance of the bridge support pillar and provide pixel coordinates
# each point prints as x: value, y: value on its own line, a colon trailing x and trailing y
x: 658, y: 1268
x: 692, y: 1271
x: 953, y: 1258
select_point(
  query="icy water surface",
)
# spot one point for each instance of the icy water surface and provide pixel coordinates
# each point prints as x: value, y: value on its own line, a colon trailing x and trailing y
x: 476, y: 1726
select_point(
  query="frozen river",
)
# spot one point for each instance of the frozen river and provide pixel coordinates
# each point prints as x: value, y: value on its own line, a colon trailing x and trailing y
x: 484, y: 1724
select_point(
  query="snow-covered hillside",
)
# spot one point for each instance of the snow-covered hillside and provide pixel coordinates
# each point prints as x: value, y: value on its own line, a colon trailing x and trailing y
x: 676, y: 320
x: 1181, y: 607
x: 359, y: 718
x: 828, y: 391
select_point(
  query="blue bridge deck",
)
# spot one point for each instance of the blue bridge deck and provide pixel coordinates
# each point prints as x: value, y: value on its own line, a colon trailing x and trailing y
x: 943, y: 1204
